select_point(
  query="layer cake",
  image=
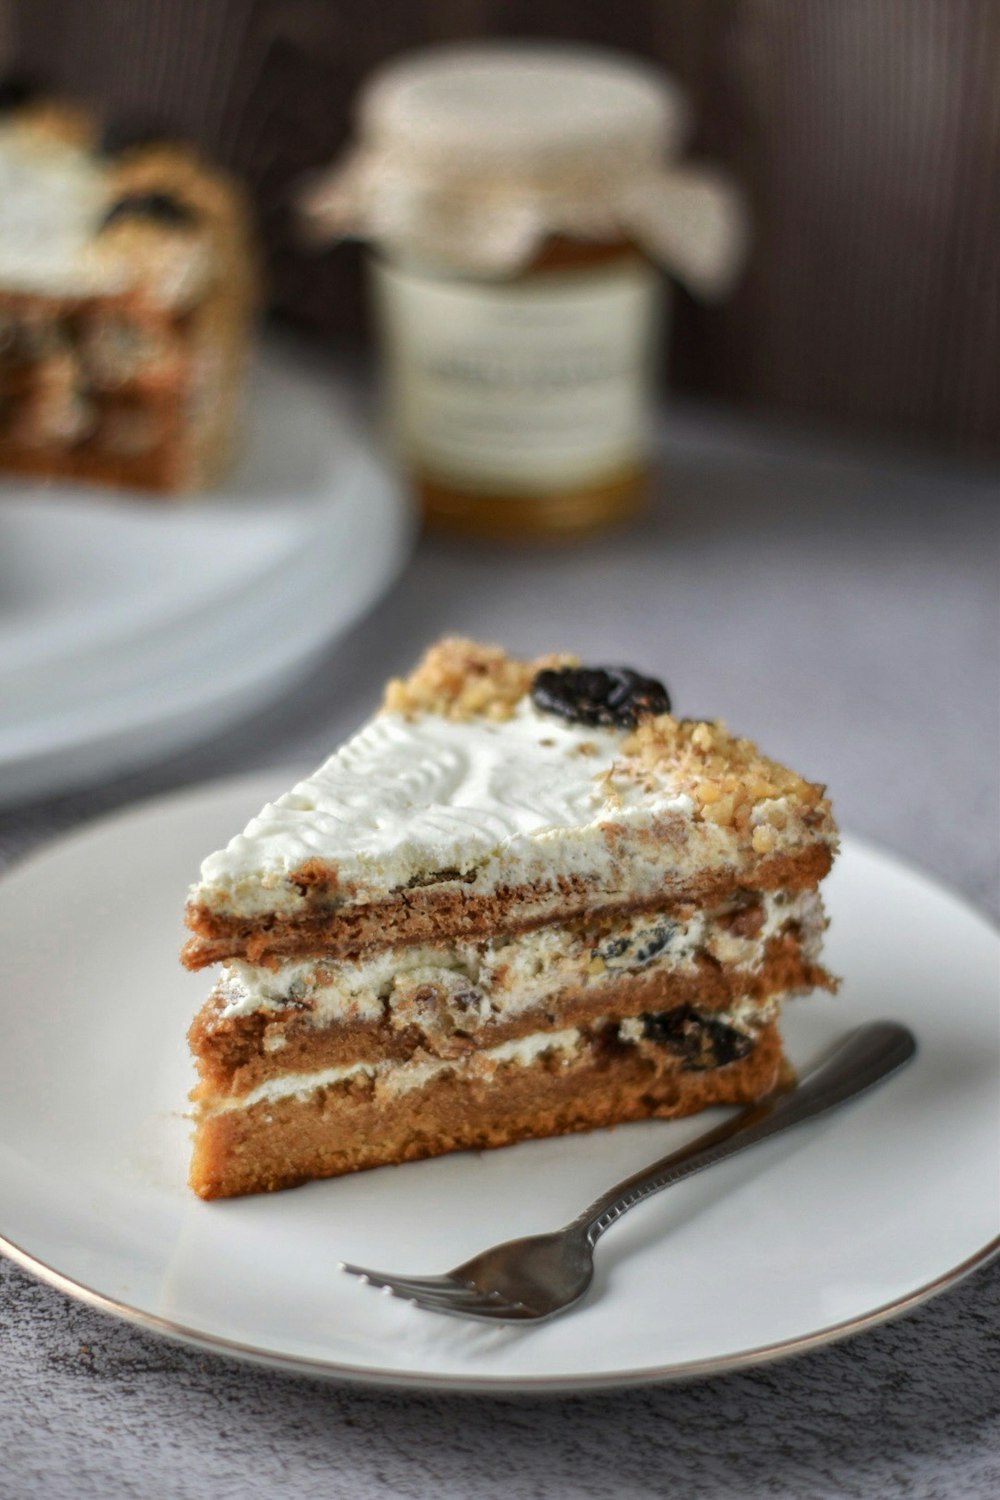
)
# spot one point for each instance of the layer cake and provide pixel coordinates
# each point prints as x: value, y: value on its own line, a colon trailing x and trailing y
x: 523, y: 900
x: 128, y: 287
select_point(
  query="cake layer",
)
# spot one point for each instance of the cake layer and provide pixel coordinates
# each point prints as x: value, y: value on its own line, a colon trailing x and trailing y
x: 443, y: 1000
x: 370, y: 1115
x: 445, y: 909
x: 464, y: 808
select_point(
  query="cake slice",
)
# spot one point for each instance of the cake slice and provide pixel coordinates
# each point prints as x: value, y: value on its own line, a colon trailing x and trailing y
x: 523, y: 900
x: 128, y: 288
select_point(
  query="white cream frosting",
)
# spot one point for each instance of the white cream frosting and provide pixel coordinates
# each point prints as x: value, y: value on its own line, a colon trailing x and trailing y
x: 51, y: 199
x: 500, y: 978
x: 517, y: 801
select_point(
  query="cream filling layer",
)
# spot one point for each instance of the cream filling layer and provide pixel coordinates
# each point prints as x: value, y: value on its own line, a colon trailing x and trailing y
x: 393, y: 1078
x: 476, y: 804
x: 408, y: 1075
x: 500, y: 978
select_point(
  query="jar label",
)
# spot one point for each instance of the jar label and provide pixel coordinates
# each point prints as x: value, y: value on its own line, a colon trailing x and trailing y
x: 513, y: 387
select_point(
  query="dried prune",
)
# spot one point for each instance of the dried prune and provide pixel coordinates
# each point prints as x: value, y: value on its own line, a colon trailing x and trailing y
x: 612, y: 949
x: 699, y: 1039
x: 616, y: 696
x: 633, y: 952
x: 163, y: 208
x: 654, y: 941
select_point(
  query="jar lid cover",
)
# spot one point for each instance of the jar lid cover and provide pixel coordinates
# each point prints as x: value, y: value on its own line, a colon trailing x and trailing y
x: 536, y: 108
x: 470, y: 157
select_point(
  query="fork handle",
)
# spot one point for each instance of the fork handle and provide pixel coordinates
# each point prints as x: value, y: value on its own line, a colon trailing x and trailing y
x: 864, y: 1058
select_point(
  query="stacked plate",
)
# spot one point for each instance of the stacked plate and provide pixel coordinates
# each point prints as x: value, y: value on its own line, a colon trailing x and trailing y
x: 130, y: 628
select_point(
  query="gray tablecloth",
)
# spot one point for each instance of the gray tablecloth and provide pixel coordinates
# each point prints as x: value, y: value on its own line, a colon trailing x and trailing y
x: 842, y: 608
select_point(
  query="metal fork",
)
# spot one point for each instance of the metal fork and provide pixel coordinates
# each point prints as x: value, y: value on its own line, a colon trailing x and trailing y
x: 528, y: 1280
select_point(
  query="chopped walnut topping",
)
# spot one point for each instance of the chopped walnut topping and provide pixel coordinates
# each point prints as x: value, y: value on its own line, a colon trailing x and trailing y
x: 729, y: 780
x: 460, y: 679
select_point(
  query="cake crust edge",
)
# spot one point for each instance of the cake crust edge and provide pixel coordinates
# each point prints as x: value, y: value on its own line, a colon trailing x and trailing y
x: 284, y: 1143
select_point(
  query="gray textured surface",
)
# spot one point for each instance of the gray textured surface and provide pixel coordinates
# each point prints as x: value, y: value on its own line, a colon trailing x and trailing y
x: 846, y: 610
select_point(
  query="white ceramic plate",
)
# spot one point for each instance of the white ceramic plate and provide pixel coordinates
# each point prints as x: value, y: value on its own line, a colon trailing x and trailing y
x: 207, y: 681
x: 129, y: 628
x: 829, y: 1229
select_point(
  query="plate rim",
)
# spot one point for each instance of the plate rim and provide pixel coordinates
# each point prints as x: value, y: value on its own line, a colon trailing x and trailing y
x: 78, y: 728
x: 271, y: 368
x: 522, y: 1385
x: 127, y: 732
x: 375, y: 1376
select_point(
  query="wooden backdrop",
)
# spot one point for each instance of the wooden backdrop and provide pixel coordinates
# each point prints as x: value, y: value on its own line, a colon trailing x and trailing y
x: 866, y: 134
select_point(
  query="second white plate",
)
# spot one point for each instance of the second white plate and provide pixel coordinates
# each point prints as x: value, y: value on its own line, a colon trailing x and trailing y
x: 129, y: 628
x: 827, y: 1230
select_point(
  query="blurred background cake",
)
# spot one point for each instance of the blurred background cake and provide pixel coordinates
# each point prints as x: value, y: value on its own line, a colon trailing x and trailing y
x: 127, y: 292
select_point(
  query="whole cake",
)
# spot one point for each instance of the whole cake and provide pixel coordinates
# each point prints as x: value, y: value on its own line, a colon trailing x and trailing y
x: 523, y: 900
x: 127, y: 293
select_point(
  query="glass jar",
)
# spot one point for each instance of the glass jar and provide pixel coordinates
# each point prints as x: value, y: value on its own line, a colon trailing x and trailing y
x: 517, y: 202
x: 523, y: 407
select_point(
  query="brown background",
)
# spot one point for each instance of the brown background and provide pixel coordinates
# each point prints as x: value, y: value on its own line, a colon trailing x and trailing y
x: 866, y: 134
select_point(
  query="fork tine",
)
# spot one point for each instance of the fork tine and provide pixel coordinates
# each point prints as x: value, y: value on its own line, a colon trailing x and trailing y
x: 418, y: 1283
x: 452, y: 1292
x: 441, y: 1299
x: 414, y: 1285
x: 352, y: 1270
x: 438, y: 1293
x: 417, y: 1286
x: 483, y: 1309
x: 442, y: 1294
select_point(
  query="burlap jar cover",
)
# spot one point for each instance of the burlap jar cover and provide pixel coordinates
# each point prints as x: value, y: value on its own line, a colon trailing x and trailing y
x: 469, y: 159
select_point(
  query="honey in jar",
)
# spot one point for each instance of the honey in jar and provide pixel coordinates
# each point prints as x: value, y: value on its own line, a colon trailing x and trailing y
x: 519, y: 208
